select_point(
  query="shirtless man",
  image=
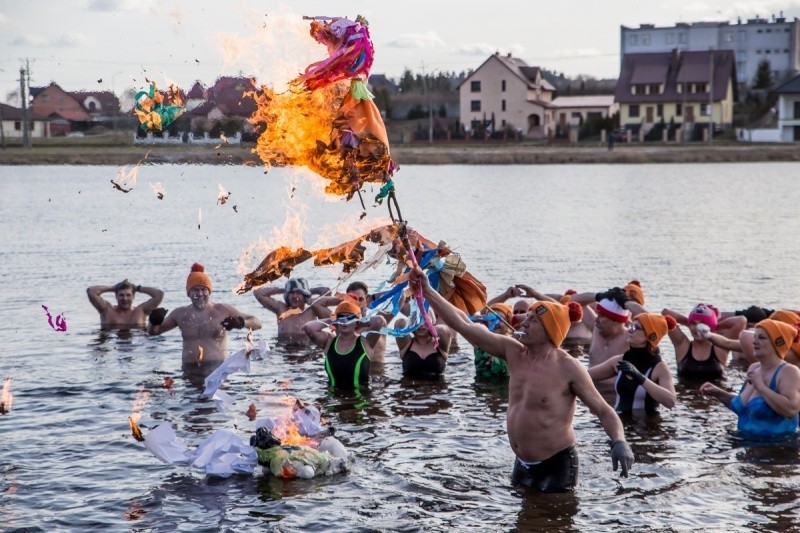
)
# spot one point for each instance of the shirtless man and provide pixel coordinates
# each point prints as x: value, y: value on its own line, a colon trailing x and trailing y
x: 544, y: 383
x: 294, y: 311
x: 609, y: 332
x: 203, y: 324
x: 123, y: 315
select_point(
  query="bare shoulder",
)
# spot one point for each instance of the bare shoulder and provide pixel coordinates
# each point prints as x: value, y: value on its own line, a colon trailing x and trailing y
x: 571, y: 366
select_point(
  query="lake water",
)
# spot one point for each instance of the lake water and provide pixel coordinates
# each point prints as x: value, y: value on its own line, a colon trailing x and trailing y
x: 428, y: 456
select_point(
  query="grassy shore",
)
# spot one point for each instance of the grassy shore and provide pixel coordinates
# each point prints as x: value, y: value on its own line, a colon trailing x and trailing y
x: 118, y: 150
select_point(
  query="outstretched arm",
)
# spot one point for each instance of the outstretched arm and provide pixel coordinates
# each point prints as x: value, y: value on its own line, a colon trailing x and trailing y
x: 709, y: 389
x: 168, y: 323
x: 156, y: 295
x: 475, y: 334
x: 94, y: 293
x: 530, y: 292
x: 510, y: 292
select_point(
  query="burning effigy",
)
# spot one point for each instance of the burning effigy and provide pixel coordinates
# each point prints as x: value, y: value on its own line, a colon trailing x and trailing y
x: 300, y: 444
x: 157, y: 110
x: 327, y: 120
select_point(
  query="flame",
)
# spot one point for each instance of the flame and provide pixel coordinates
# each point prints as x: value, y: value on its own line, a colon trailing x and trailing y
x: 223, y: 195
x: 168, y: 382
x: 252, y: 412
x: 6, y: 398
x: 126, y: 177
x: 199, y: 217
x: 135, y: 431
x: 292, y: 436
x: 158, y: 189
x: 200, y: 352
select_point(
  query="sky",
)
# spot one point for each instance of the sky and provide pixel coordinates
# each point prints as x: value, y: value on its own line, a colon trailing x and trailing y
x: 116, y: 44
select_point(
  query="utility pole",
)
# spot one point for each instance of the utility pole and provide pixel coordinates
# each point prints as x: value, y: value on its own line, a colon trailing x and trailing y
x: 430, y: 103
x: 26, y: 138
x: 710, y: 96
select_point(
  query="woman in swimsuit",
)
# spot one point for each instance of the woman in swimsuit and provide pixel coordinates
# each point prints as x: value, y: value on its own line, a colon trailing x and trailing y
x: 696, y: 357
x: 419, y: 353
x: 769, y: 401
x: 744, y: 344
x: 643, y: 380
x: 488, y: 367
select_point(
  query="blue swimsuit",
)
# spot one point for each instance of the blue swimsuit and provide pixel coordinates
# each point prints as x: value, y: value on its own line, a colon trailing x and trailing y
x: 758, y: 419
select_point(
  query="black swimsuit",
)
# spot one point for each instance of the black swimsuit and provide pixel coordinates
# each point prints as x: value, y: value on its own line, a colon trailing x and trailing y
x: 707, y: 370
x: 558, y: 473
x: 431, y: 367
x: 630, y: 395
x: 347, y: 370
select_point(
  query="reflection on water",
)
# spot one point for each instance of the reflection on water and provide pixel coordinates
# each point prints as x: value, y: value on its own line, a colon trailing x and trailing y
x: 430, y: 455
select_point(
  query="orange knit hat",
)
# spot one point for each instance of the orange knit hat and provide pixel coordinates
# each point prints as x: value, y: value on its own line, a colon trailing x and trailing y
x: 655, y: 326
x: 347, y: 306
x: 780, y: 334
x: 791, y: 318
x: 635, y: 292
x: 198, y: 277
x: 556, y: 318
x: 504, y: 311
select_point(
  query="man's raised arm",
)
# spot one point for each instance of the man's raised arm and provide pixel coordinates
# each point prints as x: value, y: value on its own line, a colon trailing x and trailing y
x: 458, y: 320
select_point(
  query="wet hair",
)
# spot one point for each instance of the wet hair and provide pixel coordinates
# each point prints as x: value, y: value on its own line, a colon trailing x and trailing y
x: 122, y: 285
x: 356, y: 285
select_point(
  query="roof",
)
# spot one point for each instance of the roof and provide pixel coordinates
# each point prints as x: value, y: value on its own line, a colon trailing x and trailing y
x: 790, y: 87
x: 197, y: 91
x: 108, y: 100
x: 677, y: 67
x: 15, y: 113
x: 380, y: 81
x: 519, y: 68
x: 589, y: 100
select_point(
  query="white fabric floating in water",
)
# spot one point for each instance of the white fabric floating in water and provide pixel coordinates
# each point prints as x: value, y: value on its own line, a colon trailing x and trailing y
x: 238, y: 361
x: 222, y: 454
x: 307, y: 419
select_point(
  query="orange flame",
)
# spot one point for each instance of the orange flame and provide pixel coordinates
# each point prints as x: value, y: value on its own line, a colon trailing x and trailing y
x: 200, y: 352
x: 137, y: 433
x: 292, y: 436
x: 168, y: 382
x: 6, y: 398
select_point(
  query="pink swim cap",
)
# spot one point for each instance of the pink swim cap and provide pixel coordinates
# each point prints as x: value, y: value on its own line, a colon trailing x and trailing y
x: 706, y: 314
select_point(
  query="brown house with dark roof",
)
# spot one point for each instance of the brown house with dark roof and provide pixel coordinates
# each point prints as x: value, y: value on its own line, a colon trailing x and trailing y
x: 688, y: 88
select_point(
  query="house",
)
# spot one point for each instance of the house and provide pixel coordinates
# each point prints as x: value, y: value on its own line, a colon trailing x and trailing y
x: 65, y: 112
x: 506, y: 93
x: 38, y: 126
x: 574, y: 110
x: 101, y: 106
x: 788, y: 108
x: 690, y: 89
x: 751, y: 42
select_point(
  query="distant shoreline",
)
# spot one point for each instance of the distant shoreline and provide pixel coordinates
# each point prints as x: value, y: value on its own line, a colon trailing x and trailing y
x: 414, y: 154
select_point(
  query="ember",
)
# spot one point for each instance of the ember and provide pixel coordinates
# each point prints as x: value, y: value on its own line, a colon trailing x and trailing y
x: 137, y: 433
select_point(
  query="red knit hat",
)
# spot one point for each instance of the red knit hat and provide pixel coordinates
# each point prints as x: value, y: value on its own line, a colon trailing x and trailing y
x: 611, y: 309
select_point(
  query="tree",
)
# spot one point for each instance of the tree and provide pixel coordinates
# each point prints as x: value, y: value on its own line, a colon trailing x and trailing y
x: 407, y: 81
x: 763, y: 78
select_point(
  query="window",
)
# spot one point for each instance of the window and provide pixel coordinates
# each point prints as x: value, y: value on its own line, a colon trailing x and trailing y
x: 769, y: 30
x: 728, y: 36
x: 655, y: 88
x: 670, y: 38
x: 475, y: 86
x: 633, y: 40
x: 700, y: 88
x: 646, y: 39
x: 758, y: 52
x: 767, y: 51
x: 785, y: 50
x: 633, y: 110
x: 678, y: 110
x: 660, y: 110
x: 475, y: 105
x: 17, y: 125
x: 45, y: 98
x: 682, y: 38
x: 705, y: 110
x: 742, y: 36
x: 503, y: 85
x: 759, y: 31
x: 503, y: 105
x: 503, y: 123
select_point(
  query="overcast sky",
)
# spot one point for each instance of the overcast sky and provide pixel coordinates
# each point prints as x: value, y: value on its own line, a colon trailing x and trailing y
x: 115, y: 44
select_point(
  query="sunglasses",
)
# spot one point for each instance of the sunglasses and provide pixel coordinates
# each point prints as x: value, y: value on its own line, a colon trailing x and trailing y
x: 520, y: 312
x: 345, y: 317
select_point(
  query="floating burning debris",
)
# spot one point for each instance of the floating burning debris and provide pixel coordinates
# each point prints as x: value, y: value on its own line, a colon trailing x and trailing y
x: 223, y: 195
x: 126, y: 177
x: 137, y: 433
x: 142, y: 397
x: 200, y: 352
x: 158, y: 189
x: 157, y: 110
x: 199, y: 217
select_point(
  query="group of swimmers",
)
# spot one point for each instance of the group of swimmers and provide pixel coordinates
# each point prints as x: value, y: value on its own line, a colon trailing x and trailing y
x: 535, y: 345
